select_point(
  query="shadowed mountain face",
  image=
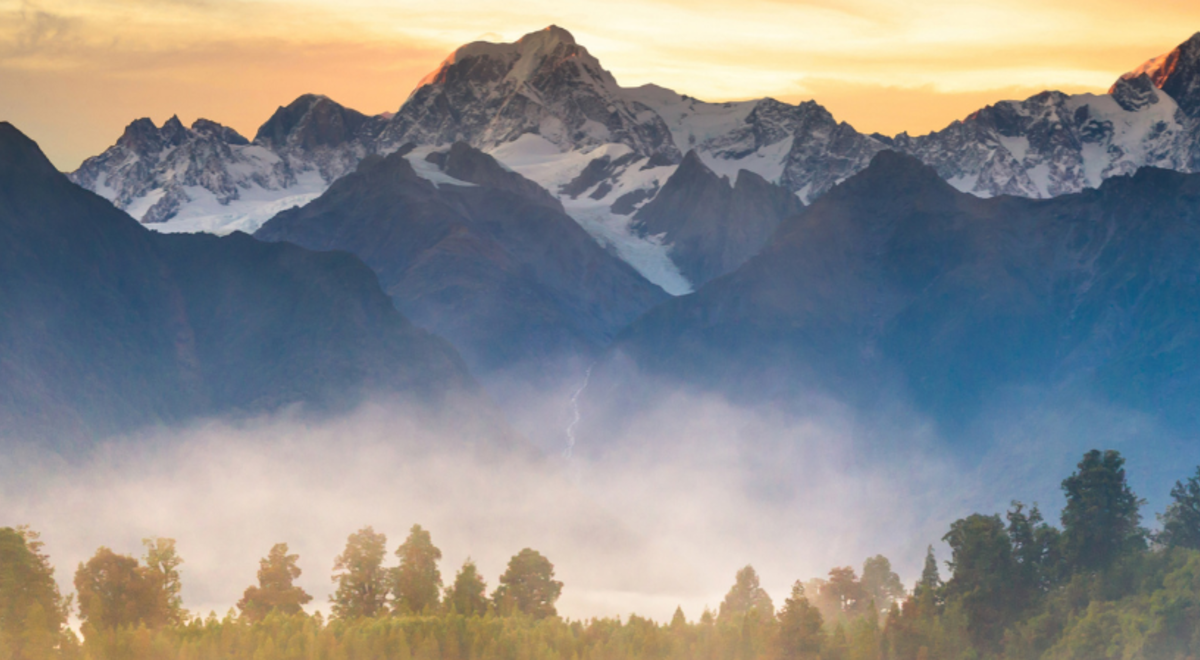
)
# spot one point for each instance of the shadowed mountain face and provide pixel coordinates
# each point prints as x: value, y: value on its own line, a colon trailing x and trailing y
x: 896, y: 282
x: 714, y: 227
x: 488, y: 261
x: 105, y: 325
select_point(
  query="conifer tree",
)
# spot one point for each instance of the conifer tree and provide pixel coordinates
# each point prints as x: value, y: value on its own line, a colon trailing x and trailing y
x: 468, y: 594
x: 983, y: 575
x: 931, y: 580
x: 745, y: 595
x: 362, y: 588
x: 800, y: 624
x: 678, y: 620
x: 275, y: 590
x: 417, y: 582
x: 1101, y: 521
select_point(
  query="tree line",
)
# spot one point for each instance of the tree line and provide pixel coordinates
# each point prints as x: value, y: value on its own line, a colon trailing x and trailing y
x: 1099, y: 585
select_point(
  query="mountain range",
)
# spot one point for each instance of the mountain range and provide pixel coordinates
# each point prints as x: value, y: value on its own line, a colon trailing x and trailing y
x: 545, y: 107
x: 543, y: 219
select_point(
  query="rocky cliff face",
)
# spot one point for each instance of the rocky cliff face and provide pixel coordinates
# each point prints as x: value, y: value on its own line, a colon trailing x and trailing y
x: 714, y: 225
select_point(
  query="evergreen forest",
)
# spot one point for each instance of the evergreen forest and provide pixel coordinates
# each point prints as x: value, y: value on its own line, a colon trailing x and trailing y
x: 1097, y: 585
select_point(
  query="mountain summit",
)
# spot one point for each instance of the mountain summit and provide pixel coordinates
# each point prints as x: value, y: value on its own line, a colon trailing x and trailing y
x: 1177, y: 73
x: 489, y: 94
x: 528, y: 52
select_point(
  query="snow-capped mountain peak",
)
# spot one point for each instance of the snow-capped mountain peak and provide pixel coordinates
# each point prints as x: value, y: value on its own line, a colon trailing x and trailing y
x: 210, y: 178
x: 1177, y: 73
x: 543, y: 84
x: 521, y: 58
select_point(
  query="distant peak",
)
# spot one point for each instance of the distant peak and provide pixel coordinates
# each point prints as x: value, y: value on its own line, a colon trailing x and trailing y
x: 892, y: 173
x: 692, y: 163
x: 223, y: 133
x: 522, y: 56
x: 552, y: 35
x: 312, y: 120
x: 20, y: 156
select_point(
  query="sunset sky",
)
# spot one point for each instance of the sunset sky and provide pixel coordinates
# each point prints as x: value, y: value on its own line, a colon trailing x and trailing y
x: 73, y: 73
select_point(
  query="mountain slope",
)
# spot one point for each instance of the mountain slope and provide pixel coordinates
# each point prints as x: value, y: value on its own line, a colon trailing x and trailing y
x: 1177, y: 73
x: 711, y: 225
x: 895, y: 282
x: 106, y: 326
x: 494, y: 266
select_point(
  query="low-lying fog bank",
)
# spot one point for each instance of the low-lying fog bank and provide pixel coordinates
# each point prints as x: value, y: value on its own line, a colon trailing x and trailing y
x: 693, y: 490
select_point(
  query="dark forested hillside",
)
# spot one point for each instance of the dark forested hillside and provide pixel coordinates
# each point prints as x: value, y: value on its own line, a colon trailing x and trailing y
x: 894, y: 282
x: 105, y: 325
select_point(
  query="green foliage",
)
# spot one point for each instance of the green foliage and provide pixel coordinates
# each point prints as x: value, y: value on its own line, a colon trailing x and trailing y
x: 162, y: 560
x: 983, y: 574
x: 1101, y: 522
x: 745, y: 595
x: 841, y: 596
x: 1017, y: 590
x: 115, y: 591
x: 33, y: 614
x: 361, y: 579
x: 800, y: 623
x: 1037, y: 552
x: 880, y: 584
x: 528, y: 586
x: 275, y: 590
x: 468, y: 594
x: 417, y: 582
x: 931, y: 580
x: 1181, y: 521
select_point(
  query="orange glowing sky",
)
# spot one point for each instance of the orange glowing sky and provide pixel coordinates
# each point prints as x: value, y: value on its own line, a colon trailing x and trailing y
x: 73, y: 73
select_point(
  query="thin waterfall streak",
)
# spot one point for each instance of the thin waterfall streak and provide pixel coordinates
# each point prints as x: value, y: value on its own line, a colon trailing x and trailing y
x: 587, y: 376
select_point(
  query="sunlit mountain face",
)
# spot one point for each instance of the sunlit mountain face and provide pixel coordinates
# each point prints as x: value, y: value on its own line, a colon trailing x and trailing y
x: 550, y: 358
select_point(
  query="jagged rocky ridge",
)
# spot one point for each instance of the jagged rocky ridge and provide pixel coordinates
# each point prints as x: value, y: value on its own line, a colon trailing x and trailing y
x: 107, y: 326
x: 210, y: 178
x: 545, y: 107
